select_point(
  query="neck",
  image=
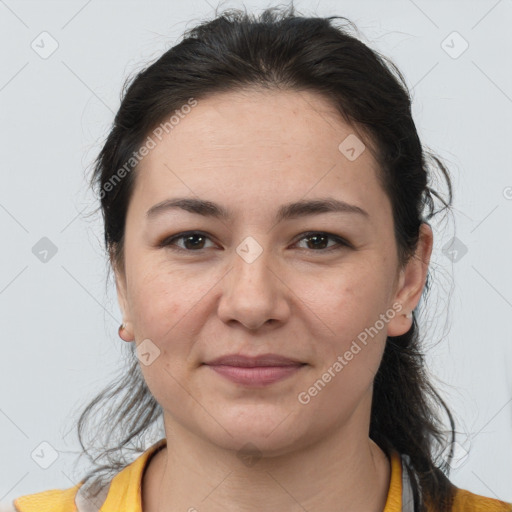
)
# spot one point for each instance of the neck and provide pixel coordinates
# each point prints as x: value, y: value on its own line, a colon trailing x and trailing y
x: 343, y: 472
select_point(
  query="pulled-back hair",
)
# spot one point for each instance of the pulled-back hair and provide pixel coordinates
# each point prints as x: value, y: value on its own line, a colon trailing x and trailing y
x: 281, y: 50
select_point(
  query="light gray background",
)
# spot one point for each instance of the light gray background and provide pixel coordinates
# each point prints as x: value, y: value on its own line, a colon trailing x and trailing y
x: 59, y: 327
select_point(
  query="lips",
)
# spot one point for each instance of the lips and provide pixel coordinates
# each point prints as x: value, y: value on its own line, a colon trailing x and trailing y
x: 255, y: 371
x: 243, y: 361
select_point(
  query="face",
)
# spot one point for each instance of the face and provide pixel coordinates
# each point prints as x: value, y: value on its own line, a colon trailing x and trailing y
x: 305, y: 285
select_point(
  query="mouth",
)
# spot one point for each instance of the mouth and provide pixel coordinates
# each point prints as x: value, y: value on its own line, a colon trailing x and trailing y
x: 247, y: 361
x: 255, y: 371
x: 256, y: 376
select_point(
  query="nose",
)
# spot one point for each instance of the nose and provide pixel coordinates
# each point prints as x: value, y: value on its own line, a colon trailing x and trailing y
x: 253, y: 293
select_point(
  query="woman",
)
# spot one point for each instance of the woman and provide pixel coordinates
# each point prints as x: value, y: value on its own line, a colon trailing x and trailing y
x: 266, y: 205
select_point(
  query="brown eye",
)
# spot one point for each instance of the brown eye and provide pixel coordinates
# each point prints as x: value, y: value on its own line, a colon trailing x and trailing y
x: 192, y: 241
x: 318, y: 241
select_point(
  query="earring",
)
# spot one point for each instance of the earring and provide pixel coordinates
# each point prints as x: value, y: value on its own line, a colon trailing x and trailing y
x: 408, y: 315
x: 121, y: 328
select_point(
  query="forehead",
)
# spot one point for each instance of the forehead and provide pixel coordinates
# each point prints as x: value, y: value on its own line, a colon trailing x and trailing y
x: 262, y: 121
x: 260, y: 143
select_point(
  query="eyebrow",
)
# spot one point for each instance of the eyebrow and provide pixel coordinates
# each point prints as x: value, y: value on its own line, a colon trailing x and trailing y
x: 293, y: 210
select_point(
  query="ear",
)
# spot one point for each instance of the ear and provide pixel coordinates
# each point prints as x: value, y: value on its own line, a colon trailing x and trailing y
x: 120, y: 281
x: 122, y: 298
x: 411, y: 282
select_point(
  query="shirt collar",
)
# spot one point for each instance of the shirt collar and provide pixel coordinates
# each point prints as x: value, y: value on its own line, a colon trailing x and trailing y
x: 125, y: 490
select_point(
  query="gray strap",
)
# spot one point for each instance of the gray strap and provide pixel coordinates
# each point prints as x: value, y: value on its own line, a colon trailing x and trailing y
x: 407, y: 494
x: 92, y: 504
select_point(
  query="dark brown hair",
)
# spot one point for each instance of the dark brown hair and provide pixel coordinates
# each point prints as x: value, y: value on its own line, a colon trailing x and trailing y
x: 282, y: 50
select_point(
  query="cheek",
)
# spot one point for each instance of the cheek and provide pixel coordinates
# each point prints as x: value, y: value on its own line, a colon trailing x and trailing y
x: 161, y: 310
x: 353, y: 299
x: 351, y: 306
x: 160, y: 300
x: 351, y: 357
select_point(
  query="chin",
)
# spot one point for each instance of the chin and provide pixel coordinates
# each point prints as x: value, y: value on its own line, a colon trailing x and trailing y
x: 269, y: 429
x: 258, y: 444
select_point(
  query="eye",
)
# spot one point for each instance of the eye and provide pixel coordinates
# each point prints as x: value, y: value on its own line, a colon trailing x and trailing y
x: 319, y: 239
x: 194, y: 241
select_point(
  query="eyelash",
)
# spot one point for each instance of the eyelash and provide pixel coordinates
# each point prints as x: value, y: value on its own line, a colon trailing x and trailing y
x: 169, y: 242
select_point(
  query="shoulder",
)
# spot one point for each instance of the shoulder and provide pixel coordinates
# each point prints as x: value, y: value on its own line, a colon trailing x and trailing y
x: 114, y: 493
x: 54, y: 500
x: 465, y: 500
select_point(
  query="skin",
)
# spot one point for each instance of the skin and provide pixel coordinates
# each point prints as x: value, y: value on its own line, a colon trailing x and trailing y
x: 251, y: 152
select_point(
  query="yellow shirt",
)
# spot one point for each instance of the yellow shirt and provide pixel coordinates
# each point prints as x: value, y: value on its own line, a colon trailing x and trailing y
x: 124, y: 493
